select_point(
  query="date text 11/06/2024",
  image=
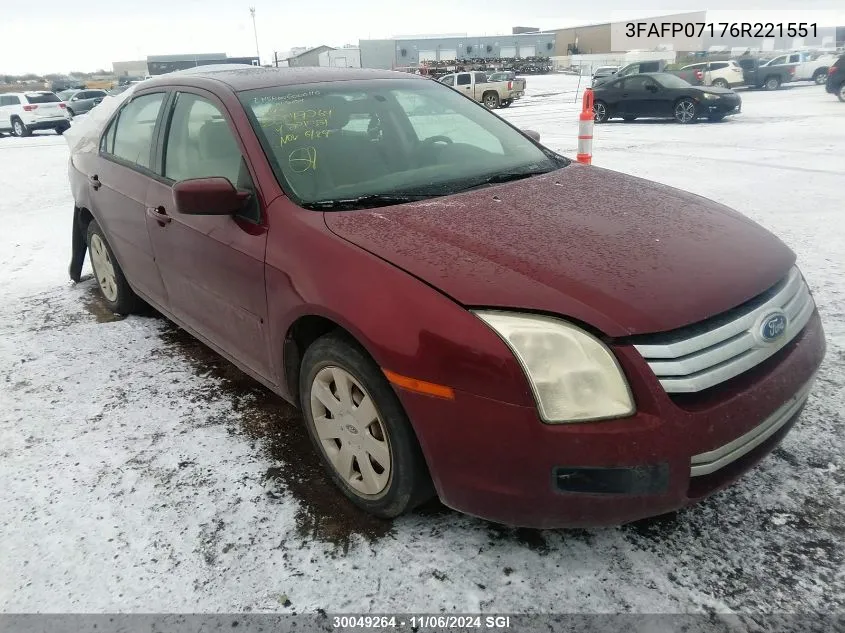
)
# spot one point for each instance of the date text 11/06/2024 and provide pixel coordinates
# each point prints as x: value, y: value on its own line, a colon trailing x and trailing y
x: 721, y: 29
x: 415, y: 622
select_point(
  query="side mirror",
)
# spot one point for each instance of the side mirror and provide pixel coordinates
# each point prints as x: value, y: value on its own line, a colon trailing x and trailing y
x: 532, y: 134
x: 208, y: 196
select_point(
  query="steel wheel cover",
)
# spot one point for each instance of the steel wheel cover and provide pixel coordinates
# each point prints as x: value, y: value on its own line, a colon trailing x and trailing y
x: 103, y: 268
x: 351, y: 431
x: 684, y: 111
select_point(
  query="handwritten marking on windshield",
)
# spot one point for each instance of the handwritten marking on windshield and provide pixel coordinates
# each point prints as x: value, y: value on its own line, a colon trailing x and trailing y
x: 303, y: 159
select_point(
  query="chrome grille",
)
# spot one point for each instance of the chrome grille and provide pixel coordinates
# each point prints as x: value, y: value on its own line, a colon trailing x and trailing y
x: 701, y: 358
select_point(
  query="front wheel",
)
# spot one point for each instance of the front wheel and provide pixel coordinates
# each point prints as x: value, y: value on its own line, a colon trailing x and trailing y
x: 820, y: 76
x: 772, y: 83
x: 685, y: 111
x: 119, y: 296
x: 360, y: 430
x: 491, y: 100
x: 600, y: 112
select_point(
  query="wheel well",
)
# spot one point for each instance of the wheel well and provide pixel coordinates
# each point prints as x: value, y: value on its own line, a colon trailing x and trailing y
x: 15, y: 117
x: 489, y: 92
x: 301, y: 334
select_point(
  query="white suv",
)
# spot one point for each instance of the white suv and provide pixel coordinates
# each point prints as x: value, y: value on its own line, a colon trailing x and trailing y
x: 725, y: 74
x: 23, y: 112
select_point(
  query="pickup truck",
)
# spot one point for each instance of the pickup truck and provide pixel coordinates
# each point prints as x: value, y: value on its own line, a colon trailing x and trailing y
x: 493, y: 94
x: 769, y: 74
x: 694, y: 76
x: 808, y: 67
x: 508, y: 75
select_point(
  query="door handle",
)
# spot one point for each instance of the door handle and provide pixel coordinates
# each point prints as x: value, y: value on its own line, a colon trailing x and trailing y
x: 159, y: 215
x: 95, y: 182
x: 625, y: 94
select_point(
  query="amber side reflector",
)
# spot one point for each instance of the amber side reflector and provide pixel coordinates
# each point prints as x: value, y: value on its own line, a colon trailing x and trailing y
x: 420, y: 386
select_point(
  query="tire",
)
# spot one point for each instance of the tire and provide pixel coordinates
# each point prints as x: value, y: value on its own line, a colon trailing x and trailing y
x: 62, y: 129
x: 403, y: 481
x: 19, y: 129
x: 720, y: 83
x: 820, y: 76
x: 685, y: 111
x: 505, y: 103
x: 771, y: 83
x: 629, y: 118
x: 491, y: 100
x: 841, y: 92
x: 118, y: 295
x: 600, y: 112
x: 70, y: 113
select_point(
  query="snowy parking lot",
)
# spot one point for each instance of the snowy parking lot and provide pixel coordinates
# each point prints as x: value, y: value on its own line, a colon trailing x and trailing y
x: 140, y: 472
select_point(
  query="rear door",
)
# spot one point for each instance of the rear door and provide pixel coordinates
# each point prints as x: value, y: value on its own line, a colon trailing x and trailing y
x: 212, y: 266
x: 118, y: 182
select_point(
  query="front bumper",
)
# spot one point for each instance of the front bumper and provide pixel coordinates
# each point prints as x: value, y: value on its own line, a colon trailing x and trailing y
x: 500, y: 462
x: 721, y: 107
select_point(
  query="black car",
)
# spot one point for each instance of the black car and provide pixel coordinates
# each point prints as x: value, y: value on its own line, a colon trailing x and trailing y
x: 661, y: 95
x: 836, y: 79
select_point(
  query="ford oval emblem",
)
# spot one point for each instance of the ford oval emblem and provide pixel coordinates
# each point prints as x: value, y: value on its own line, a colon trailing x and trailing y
x: 773, y: 327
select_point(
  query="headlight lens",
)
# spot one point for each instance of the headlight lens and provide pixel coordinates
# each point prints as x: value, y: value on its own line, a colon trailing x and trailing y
x: 709, y: 97
x: 574, y: 376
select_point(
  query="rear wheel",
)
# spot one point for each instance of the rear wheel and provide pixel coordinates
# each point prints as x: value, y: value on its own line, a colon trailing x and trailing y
x: 116, y: 291
x: 600, y: 112
x: 70, y: 113
x: 360, y: 430
x: 685, y: 111
x: 820, y: 76
x: 505, y: 103
x: 841, y: 93
x: 491, y: 100
x: 19, y: 129
x: 772, y: 83
x: 720, y: 83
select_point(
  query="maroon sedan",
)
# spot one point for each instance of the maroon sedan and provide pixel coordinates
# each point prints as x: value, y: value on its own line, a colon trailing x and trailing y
x: 457, y: 310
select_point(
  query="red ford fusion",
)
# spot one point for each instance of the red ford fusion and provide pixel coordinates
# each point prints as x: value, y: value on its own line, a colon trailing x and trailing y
x: 457, y: 310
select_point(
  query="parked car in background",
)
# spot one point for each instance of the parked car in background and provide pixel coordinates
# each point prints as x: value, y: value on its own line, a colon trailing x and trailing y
x: 836, y: 78
x: 603, y: 72
x: 493, y: 94
x: 722, y: 74
x: 662, y: 95
x: 81, y: 101
x: 576, y: 346
x: 693, y: 77
x: 769, y: 74
x: 808, y: 66
x: 519, y: 83
x: 23, y: 112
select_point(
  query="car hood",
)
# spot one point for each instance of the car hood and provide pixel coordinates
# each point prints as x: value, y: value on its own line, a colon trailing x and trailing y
x: 625, y: 255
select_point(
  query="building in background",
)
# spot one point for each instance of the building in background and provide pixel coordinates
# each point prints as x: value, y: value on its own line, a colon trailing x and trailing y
x: 131, y: 70
x: 309, y: 57
x: 346, y: 57
x: 161, y: 64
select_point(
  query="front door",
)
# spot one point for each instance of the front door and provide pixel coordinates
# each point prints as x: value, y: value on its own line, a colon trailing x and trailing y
x: 212, y: 266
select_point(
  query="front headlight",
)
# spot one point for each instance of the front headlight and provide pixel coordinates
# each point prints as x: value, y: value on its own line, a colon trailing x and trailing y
x: 708, y: 96
x: 574, y: 376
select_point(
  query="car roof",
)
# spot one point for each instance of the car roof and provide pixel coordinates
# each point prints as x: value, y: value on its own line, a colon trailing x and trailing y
x: 259, y: 77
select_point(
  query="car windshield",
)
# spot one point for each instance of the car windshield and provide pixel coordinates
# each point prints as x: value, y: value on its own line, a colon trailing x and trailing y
x: 41, y: 97
x: 671, y: 81
x: 361, y: 144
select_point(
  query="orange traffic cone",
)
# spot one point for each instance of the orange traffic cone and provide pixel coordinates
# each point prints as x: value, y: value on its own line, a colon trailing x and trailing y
x: 585, y: 129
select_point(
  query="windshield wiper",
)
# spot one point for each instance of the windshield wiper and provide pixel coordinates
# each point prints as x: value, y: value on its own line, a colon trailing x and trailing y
x: 508, y: 176
x: 367, y: 201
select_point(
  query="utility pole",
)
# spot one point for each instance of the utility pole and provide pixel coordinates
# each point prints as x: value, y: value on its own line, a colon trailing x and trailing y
x: 255, y: 32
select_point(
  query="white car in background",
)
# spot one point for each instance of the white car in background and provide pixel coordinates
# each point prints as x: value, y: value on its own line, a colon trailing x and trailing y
x: 722, y: 74
x: 809, y: 66
x: 23, y: 112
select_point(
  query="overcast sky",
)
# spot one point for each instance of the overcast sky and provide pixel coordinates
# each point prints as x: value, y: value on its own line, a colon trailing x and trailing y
x: 59, y: 36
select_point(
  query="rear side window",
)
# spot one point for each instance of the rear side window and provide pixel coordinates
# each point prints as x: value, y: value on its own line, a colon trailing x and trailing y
x: 480, y: 78
x: 133, y: 129
x: 7, y: 100
x: 41, y: 97
x: 464, y: 79
x: 718, y: 65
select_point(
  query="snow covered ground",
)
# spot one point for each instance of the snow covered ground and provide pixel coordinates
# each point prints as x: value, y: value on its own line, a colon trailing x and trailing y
x: 139, y: 472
